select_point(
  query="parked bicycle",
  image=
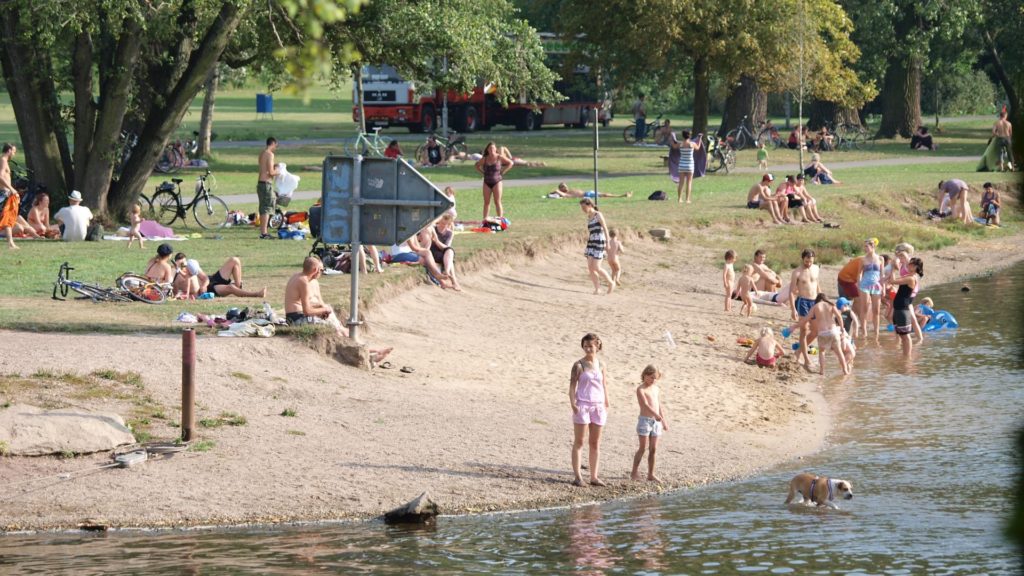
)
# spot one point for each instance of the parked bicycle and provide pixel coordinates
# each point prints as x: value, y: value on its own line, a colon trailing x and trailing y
x: 166, y: 206
x: 721, y: 155
x: 853, y: 137
x: 176, y: 155
x: 629, y: 133
x: 370, y: 145
x: 453, y: 145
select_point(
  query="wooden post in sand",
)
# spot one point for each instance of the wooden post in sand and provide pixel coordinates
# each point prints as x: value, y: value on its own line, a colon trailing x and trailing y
x: 188, y: 385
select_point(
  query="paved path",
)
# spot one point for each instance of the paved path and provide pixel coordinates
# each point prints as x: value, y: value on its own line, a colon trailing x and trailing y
x: 436, y: 175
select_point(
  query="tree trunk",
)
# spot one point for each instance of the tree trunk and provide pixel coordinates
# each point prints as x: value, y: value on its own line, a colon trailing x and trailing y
x: 745, y: 101
x: 163, y: 119
x: 701, y: 95
x: 358, y: 73
x: 206, y: 120
x: 36, y: 111
x: 1016, y: 111
x: 901, y: 98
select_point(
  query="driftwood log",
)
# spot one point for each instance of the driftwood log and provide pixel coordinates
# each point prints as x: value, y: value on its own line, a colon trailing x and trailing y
x: 421, y: 510
x: 660, y: 233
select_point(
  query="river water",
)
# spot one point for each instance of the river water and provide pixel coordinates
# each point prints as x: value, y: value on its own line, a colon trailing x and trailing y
x: 926, y: 444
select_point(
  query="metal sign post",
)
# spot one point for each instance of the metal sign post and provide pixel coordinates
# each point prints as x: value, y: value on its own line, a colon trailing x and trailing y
x: 597, y: 114
x: 378, y: 201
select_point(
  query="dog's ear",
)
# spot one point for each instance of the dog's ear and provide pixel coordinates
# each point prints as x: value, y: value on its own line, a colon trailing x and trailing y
x: 843, y: 485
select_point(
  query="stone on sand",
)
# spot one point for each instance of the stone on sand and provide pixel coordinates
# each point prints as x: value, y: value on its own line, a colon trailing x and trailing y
x: 31, y: 431
x: 660, y: 233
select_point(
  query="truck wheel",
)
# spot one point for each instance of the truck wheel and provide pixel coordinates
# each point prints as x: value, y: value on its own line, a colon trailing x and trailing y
x: 584, y: 118
x: 470, y: 120
x: 533, y: 121
x: 427, y: 122
x: 523, y: 120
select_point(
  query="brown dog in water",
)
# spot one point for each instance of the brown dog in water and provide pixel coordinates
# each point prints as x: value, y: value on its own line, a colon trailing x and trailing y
x: 819, y: 490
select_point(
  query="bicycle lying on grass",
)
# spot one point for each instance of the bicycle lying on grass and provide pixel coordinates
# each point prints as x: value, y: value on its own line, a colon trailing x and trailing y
x: 166, y: 206
x: 130, y: 288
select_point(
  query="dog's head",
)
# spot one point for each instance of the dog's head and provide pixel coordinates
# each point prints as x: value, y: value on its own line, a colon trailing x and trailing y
x: 844, y: 489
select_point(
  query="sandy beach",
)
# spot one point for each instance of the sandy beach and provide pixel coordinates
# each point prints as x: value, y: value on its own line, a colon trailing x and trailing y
x: 482, y: 422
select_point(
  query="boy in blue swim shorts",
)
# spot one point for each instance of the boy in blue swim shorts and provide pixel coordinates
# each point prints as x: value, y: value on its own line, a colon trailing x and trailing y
x: 651, y: 423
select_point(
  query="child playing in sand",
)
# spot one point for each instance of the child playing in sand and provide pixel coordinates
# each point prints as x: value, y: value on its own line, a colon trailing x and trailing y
x: 766, y: 349
x: 589, y: 404
x: 651, y: 422
x: 744, y: 286
x: 729, y: 278
x: 762, y: 157
x: 615, y: 250
x: 136, y: 221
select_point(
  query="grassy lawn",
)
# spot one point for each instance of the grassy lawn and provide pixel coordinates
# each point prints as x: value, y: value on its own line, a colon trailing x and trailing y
x: 883, y: 201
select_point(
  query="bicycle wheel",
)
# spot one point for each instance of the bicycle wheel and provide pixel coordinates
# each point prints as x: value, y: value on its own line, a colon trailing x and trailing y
x: 732, y: 138
x: 165, y: 207
x: 141, y: 288
x: 458, y: 148
x: 715, y: 161
x: 168, y: 162
x: 729, y: 162
x: 629, y: 134
x: 148, y: 213
x: 276, y: 220
x: 95, y: 293
x: 210, y: 213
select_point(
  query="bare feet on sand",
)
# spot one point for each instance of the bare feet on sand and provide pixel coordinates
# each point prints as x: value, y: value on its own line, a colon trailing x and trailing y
x: 611, y: 288
x: 379, y: 354
x: 597, y: 482
x: 653, y: 478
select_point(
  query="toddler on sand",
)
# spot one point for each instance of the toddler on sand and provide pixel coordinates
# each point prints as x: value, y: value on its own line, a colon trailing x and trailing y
x: 729, y: 278
x: 767, y: 349
x: 615, y: 250
x: 651, y: 422
x: 136, y: 221
x: 746, y: 283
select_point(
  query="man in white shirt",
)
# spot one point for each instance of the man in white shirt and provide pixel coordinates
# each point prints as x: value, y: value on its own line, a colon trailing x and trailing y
x: 75, y: 218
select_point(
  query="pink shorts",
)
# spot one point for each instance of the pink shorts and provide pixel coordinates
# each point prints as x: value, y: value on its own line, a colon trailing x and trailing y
x: 590, y: 413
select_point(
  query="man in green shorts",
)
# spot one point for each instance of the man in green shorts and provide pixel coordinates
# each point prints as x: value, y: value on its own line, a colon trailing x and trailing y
x: 265, y: 186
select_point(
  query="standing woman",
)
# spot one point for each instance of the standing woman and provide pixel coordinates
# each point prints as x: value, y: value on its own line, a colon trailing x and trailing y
x: 597, y: 242
x: 493, y: 166
x: 686, y: 165
x: 589, y: 401
x: 869, y: 305
x: 903, y: 304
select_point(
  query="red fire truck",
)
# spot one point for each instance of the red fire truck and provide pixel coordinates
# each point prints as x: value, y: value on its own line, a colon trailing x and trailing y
x: 390, y: 100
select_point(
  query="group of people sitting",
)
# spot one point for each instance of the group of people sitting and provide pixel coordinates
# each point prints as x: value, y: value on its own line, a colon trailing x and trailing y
x: 801, y: 137
x: 953, y: 201
x: 70, y: 223
x: 188, y: 280
x: 790, y: 200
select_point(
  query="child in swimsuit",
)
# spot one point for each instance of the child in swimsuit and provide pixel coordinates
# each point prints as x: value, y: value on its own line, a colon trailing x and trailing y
x: 744, y: 287
x: 651, y: 422
x: 729, y: 278
x: 589, y: 403
x: 614, y: 251
x: 767, y: 349
x: 136, y: 221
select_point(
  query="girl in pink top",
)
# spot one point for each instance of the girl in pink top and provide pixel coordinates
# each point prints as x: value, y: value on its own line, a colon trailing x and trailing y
x: 589, y: 407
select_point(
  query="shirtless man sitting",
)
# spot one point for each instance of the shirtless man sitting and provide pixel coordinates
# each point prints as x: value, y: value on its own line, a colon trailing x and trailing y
x: 760, y: 196
x: 802, y: 295
x: 563, y: 191
x: 825, y: 323
x: 768, y: 280
x: 303, y: 303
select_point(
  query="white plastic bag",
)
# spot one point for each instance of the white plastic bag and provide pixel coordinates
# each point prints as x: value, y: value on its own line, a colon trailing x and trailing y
x: 285, y: 181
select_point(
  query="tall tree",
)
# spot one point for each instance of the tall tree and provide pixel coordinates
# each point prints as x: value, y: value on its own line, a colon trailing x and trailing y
x: 476, y: 40
x: 1003, y: 28
x: 898, y: 37
x: 732, y: 39
x: 134, y: 64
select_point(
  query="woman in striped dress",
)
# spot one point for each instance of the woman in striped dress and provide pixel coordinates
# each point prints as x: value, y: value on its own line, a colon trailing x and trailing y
x: 686, y: 148
x: 597, y: 241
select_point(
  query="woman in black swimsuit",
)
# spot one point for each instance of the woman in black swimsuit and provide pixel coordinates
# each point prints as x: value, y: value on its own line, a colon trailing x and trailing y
x: 493, y: 166
x: 903, y: 304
